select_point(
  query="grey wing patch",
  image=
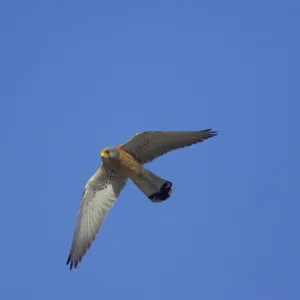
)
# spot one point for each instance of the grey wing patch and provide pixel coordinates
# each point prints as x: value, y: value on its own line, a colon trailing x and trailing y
x: 98, y: 197
x: 148, y: 145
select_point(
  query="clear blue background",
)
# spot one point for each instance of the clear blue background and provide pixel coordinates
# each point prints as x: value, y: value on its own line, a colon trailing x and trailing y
x: 77, y: 76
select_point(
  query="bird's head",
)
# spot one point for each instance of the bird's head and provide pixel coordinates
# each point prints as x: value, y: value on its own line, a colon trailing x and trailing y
x: 110, y: 153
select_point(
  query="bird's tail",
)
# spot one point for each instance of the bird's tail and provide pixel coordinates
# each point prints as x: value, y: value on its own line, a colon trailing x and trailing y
x: 154, y: 187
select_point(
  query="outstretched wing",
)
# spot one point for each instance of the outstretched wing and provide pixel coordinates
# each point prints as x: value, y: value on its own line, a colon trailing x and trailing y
x: 148, y: 145
x: 99, y: 196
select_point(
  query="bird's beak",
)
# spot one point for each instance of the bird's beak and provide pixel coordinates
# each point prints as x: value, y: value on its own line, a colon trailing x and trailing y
x: 104, y: 154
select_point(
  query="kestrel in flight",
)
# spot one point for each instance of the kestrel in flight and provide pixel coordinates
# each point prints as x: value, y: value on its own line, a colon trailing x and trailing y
x: 118, y: 164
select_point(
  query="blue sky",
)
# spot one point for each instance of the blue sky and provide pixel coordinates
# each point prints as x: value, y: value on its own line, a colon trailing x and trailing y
x: 81, y: 75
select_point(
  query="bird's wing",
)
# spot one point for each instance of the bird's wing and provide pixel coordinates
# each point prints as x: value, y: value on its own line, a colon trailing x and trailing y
x: 98, y: 197
x: 148, y: 145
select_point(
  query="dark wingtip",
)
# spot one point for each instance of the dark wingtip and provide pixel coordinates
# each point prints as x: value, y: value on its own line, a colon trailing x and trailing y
x: 211, y: 132
x: 69, y: 259
x: 71, y: 263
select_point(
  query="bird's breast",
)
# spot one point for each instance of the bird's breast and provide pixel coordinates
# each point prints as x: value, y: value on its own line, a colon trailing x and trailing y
x: 129, y: 165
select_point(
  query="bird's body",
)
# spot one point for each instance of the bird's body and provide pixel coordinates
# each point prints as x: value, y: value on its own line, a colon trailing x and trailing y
x: 128, y: 166
x: 120, y: 164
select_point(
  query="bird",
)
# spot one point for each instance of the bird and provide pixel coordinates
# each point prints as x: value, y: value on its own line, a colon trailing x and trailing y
x: 120, y: 163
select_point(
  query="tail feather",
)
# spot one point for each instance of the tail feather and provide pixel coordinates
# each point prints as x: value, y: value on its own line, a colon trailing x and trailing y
x: 154, y: 187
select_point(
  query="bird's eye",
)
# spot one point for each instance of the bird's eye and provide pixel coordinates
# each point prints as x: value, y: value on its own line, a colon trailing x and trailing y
x: 107, y: 151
